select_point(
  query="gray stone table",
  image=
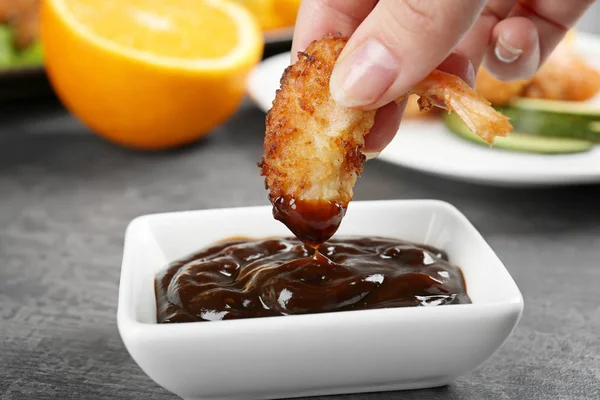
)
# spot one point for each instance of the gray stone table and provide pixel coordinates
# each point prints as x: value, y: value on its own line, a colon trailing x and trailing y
x: 66, y: 197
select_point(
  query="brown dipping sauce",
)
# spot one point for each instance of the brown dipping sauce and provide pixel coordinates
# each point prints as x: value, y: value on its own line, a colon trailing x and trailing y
x: 273, y: 277
x: 313, y: 222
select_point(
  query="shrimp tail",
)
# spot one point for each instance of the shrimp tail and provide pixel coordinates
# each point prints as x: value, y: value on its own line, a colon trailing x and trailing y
x: 472, y: 108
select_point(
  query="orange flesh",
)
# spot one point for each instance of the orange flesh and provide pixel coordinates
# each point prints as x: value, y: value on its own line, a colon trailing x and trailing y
x: 173, y: 28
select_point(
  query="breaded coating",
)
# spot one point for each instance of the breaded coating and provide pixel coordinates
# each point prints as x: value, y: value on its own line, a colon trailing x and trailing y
x: 23, y: 17
x: 27, y: 29
x: 313, y: 146
x: 11, y: 9
x: 565, y: 75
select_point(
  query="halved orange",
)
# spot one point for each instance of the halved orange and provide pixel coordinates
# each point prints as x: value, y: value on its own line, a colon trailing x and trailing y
x: 273, y: 14
x: 287, y: 10
x: 150, y: 74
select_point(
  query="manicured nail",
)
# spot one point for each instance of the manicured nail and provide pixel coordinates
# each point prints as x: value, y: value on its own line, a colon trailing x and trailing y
x: 505, y: 52
x: 470, y: 74
x: 371, y: 154
x: 362, y: 76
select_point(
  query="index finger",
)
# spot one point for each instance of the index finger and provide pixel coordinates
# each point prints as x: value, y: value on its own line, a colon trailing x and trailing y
x: 320, y: 17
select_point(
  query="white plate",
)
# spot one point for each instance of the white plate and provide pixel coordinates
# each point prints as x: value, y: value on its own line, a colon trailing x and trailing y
x: 429, y: 147
x: 315, y: 354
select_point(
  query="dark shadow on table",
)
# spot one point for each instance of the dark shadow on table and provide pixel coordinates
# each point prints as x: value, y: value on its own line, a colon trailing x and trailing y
x: 439, y: 393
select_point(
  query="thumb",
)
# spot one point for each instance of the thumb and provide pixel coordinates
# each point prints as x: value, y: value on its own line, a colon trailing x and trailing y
x: 398, y: 45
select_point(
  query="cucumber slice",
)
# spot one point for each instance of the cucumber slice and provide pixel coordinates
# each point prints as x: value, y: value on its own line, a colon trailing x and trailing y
x: 555, y: 118
x: 31, y: 56
x: 7, y: 51
x: 521, y: 142
x: 12, y: 58
x: 558, y: 107
x: 540, y: 123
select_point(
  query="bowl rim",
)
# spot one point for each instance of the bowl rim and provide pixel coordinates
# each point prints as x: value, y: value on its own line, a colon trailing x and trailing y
x: 127, y: 321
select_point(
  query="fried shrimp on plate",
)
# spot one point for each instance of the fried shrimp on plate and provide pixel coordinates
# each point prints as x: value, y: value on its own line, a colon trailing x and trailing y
x: 22, y: 16
x: 313, y: 146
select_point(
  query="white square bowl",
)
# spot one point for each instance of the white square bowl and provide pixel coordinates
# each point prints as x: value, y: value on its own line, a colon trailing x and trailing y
x: 317, y: 354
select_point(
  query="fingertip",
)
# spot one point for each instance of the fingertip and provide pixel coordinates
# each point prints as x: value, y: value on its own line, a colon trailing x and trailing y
x: 387, y: 122
x: 320, y: 17
x: 459, y: 65
x: 515, y: 50
x: 301, y: 36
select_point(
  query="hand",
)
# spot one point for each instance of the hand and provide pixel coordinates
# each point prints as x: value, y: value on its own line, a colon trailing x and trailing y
x: 394, y: 44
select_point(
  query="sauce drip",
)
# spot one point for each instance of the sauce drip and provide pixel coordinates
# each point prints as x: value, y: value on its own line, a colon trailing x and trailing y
x: 312, y: 221
x: 283, y: 276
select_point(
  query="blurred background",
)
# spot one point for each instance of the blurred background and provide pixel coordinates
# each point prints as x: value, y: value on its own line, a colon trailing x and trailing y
x: 589, y: 22
x: 21, y: 53
x: 153, y: 76
x: 27, y: 62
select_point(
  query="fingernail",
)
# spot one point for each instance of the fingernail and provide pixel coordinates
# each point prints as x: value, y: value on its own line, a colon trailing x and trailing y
x: 505, y: 52
x: 371, y: 154
x: 470, y: 74
x: 362, y: 76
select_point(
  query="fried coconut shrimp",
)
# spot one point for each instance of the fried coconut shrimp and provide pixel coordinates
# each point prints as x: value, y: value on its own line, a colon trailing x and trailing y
x: 313, y: 146
x: 565, y: 75
x: 22, y: 16
x: 312, y: 155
